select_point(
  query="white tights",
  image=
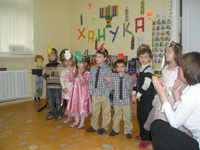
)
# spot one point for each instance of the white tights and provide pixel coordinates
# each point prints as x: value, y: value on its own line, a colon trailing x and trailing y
x: 82, y: 120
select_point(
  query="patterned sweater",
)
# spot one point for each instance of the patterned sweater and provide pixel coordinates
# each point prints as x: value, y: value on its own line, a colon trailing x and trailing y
x: 53, y: 80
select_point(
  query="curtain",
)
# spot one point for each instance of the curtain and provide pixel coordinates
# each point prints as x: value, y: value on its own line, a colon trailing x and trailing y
x: 16, y: 26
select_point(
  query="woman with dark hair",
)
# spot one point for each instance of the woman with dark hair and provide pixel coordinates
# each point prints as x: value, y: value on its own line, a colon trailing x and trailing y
x: 185, y: 111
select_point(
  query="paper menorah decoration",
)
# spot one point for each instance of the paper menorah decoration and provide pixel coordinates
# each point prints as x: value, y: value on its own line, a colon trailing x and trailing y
x: 108, y: 13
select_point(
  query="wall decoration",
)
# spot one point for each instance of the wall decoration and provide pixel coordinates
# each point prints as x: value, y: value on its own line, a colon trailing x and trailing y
x: 91, y: 37
x: 81, y: 19
x: 161, y: 36
x: 142, y: 7
x: 108, y: 13
x: 108, y: 61
x: 102, y: 45
x: 81, y: 33
x: 38, y: 78
x: 96, y: 44
x: 136, y: 24
x: 114, y: 33
x: 141, y: 40
x: 170, y: 10
x: 92, y: 60
x: 93, y: 19
x: 126, y: 14
x: 125, y: 29
x: 132, y: 42
x: 101, y: 36
x: 90, y: 5
x: 149, y: 15
x: 132, y: 66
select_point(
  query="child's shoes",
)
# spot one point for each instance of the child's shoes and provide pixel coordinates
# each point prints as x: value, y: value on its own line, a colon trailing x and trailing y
x: 143, y: 144
x: 138, y: 137
x: 49, y: 117
x: 73, y: 125
x: 91, y: 129
x: 80, y: 127
x: 113, y: 133
x: 67, y: 120
x: 58, y: 118
x: 128, y: 136
x: 101, y: 131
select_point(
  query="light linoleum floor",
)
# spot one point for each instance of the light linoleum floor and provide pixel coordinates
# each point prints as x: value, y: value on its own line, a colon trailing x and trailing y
x: 23, y: 128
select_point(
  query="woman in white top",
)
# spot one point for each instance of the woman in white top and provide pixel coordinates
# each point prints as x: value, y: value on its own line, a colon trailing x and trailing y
x: 185, y: 111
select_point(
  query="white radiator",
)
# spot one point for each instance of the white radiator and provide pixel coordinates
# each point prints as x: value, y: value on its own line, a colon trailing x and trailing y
x: 13, y: 85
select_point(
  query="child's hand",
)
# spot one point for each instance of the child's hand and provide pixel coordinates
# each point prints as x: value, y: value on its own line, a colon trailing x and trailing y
x: 127, y: 77
x: 48, y: 72
x: 107, y: 78
x: 159, y: 87
x: 137, y: 98
x: 80, y: 74
x: 177, y: 89
x: 133, y: 100
x: 65, y: 90
x: 71, y: 69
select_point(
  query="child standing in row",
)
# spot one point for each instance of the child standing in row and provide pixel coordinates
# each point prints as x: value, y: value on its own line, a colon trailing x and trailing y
x: 143, y: 92
x: 122, y: 85
x: 169, y: 75
x: 52, y: 74
x: 67, y: 77
x: 80, y: 102
x: 99, y: 89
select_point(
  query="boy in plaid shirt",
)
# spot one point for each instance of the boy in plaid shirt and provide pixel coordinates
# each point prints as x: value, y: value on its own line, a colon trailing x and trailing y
x: 122, y: 84
x: 99, y: 89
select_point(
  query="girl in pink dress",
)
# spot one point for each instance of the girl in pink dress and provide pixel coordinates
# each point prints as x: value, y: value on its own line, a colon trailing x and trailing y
x: 80, y: 101
x: 67, y: 77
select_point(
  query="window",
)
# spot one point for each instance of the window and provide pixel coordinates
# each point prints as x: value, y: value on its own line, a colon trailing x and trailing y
x: 16, y: 26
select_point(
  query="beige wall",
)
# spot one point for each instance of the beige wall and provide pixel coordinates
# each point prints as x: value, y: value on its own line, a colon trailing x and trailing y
x: 121, y: 44
x: 56, y: 23
x: 51, y: 25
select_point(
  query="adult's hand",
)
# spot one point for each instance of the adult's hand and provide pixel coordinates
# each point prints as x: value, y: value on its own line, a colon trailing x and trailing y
x: 160, y: 88
x: 177, y: 89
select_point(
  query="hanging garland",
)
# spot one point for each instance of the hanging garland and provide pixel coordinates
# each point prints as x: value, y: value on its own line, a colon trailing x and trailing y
x: 133, y: 42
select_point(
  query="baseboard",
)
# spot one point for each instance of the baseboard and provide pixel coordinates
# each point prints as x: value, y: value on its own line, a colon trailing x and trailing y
x: 18, y: 101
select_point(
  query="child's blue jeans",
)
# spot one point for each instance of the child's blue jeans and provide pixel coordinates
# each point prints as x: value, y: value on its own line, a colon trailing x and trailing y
x: 54, y: 100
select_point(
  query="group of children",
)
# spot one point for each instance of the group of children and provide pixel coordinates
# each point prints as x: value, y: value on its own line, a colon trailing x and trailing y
x: 86, y: 92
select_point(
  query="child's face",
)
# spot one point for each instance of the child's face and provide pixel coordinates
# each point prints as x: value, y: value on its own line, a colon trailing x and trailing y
x: 144, y: 58
x: 80, y: 65
x: 100, y: 59
x: 52, y: 57
x: 121, y: 68
x: 169, y: 54
x: 68, y: 63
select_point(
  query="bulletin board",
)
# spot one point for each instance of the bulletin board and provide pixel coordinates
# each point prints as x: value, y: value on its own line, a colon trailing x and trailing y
x: 161, y: 36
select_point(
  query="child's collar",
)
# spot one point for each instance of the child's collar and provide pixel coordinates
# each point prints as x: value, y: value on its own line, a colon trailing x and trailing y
x: 143, y: 66
x: 122, y: 75
x: 100, y: 65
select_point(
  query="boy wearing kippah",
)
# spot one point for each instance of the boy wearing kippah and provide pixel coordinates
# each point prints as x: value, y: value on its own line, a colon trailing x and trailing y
x: 99, y: 89
x: 122, y: 85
